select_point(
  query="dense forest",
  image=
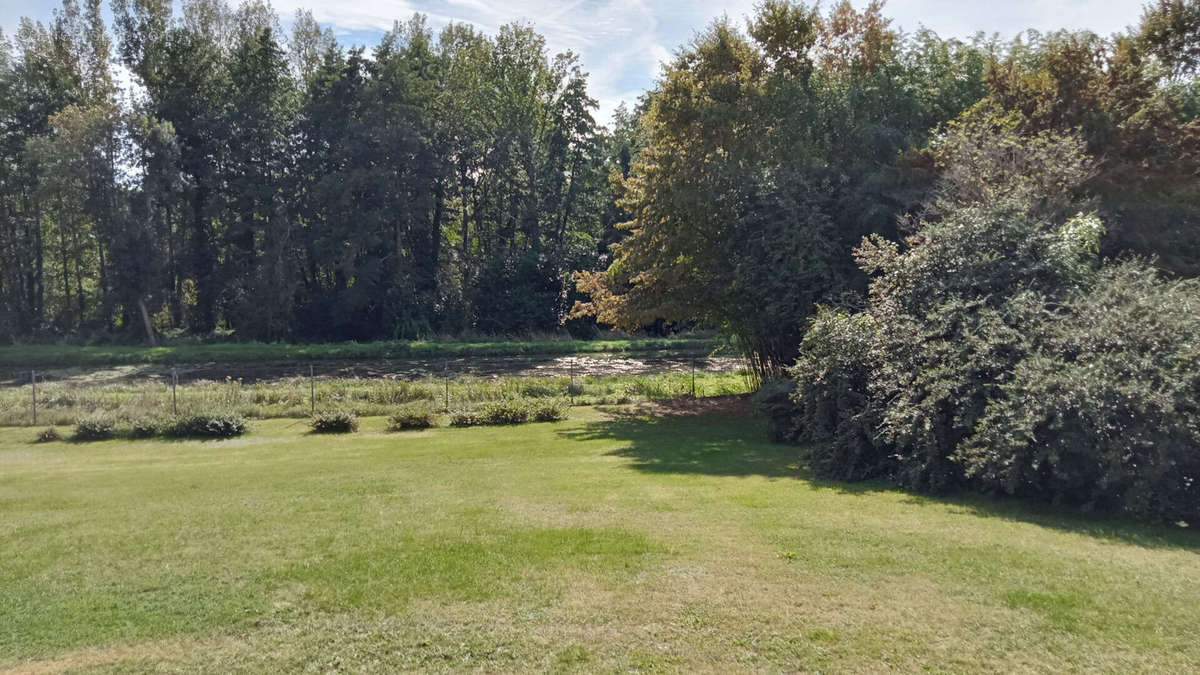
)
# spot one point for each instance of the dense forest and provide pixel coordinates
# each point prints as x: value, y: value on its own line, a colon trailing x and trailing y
x: 195, y: 168
x: 282, y: 186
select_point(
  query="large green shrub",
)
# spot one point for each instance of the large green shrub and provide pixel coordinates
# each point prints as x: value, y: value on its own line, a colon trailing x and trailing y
x: 1106, y: 412
x: 774, y: 401
x: 834, y: 415
x: 997, y: 354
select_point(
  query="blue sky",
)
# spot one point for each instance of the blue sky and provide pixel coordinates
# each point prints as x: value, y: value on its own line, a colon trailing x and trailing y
x: 622, y: 42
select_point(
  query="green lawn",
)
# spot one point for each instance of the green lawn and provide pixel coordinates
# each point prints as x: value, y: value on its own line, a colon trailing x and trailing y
x: 30, y: 356
x: 611, y: 542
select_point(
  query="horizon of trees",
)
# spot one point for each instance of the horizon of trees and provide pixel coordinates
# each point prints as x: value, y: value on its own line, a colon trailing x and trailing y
x: 279, y: 186
x: 286, y: 187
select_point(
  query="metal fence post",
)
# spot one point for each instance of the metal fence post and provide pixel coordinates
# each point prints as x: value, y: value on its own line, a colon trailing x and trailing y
x: 312, y: 390
x: 33, y: 386
x: 174, y: 394
x: 693, y: 377
x: 446, y: 377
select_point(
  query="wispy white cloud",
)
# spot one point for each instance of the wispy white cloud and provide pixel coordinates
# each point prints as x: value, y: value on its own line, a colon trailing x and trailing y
x: 623, y: 42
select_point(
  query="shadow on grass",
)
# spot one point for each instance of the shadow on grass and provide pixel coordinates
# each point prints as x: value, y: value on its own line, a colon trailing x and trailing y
x: 724, y: 442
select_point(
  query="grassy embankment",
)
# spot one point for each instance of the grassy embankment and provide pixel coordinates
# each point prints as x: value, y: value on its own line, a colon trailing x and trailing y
x: 604, y: 543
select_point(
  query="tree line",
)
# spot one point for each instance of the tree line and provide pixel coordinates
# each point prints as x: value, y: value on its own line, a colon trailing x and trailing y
x: 195, y: 168
x: 957, y: 265
x: 767, y: 154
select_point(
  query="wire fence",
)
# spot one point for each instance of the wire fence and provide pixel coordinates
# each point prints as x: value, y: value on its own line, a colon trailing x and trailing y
x: 62, y: 399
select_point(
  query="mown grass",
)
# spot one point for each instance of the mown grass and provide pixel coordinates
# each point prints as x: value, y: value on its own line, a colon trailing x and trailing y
x: 65, y: 356
x: 63, y: 403
x: 611, y: 542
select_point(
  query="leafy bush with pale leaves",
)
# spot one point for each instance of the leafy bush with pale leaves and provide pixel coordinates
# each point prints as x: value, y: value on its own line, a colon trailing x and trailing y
x: 997, y: 355
x: 334, y: 422
x: 511, y: 411
x: 835, y: 416
x: 416, y: 415
x: 94, y: 429
x: 1105, y: 413
x: 211, y: 425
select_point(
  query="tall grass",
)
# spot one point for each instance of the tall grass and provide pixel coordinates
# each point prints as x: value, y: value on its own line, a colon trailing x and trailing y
x: 64, y: 403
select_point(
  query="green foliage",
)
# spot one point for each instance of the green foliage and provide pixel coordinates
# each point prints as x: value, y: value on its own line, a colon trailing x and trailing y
x: 507, y: 411
x: 467, y: 418
x: 766, y: 158
x: 48, y: 435
x: 417, y: 415
x: 147, y: 427
x: 833, y: 413
x: 1170, y: 31
x: 996, y: 356
x: 334, y: 422
x: 511, y: 411
x: 1106, y: 412
x: 96, y: 428
x: 208, y: 425
x: 774, y: 401
x: 540, y: 390
x: 62, y: 403
x: 549, y: 411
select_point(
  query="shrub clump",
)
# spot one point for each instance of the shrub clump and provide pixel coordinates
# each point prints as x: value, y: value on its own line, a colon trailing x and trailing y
x: 221, y: 425
x: 998, y: 353
x: 511, y: 411
x: 94, y: 429
x: 467, y: 418
x: 416, y: 415
x: 146, y: 428
x: 834, y: 415
x: 334, y: 422
x: 548, y: 411
x: 48, y: 435
x: 994, y: 357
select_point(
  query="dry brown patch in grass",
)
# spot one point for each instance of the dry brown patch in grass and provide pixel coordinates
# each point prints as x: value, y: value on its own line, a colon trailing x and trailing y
x: 156, y: 651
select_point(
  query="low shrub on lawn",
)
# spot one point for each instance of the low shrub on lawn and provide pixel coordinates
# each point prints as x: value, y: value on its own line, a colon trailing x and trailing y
x: 334, y: 422
x: 48, y: 435
x: 548, y: 411
x: 146, y: 428
x: 507, y: 411
x: 221, y: 425
x: 510, y: 411
x: 94, y: 429
x: 417, y: 415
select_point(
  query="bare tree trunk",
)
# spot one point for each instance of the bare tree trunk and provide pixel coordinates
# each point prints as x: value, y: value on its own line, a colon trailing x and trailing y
x: 147, y: 323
